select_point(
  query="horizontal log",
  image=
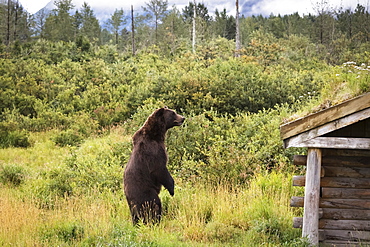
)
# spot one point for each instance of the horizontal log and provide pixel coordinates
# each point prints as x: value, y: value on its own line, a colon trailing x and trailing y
x: 345, y: 214
x: 338, y: 243
x: 350, y: 161
x: 335, y: 142
x: 300, y: 160
x: 351, y: 172
x: 299, y: 180
x: 298, y: 201
x: 297, y: 222
x: 344, y: 235
x: 336, y: 182
x: 358, y: 225
x: 345, y: 203
x: 345, y: 193
x: 345, y: 152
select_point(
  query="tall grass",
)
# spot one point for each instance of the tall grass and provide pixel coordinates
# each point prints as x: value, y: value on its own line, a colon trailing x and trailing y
x: 256, y: 213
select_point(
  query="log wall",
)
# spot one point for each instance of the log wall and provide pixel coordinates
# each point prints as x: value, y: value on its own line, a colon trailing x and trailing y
x: 344, y: 203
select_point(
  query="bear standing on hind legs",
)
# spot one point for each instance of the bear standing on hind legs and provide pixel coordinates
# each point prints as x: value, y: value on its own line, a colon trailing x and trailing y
x: 146, y: 170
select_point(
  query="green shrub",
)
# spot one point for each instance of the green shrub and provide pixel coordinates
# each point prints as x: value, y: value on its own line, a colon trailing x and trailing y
x: 50, y: 186
x: 232, y: 148
x: 13, y: 175
x: 67, y: 138
x: 11, y: 136
x: 67, y: 232
x: 16, y: 138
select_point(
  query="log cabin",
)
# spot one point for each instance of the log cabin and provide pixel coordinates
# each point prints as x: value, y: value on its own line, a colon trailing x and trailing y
x: 336, y: 202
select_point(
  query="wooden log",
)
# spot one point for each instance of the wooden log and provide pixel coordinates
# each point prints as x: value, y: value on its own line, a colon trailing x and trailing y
x: 345, y: 214
x: 344, y: 235
x: 345, y: 193
x: 358, y: 225
x: 299, y: 180
x: 338, y: 243
x: 297, y: 201
x: 345, y: 152
x: 363, y: 204
x: 336, y: 182
x: 337, y: 160
x: 336, y: 142
x: 300, y: 160
x: 312, y: 196
x: 352, y: 172
x: 345, y: 203
x: 297, y: 222
x: 348, y: 161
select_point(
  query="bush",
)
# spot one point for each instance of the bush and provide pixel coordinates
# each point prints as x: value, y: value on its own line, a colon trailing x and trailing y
x: 67, y: 138
x: 232, y: 148
x: 12, y: 175
x: 67, y: 232
x: 17, y: 138
x: 11, y: 136
x: 50, y: 186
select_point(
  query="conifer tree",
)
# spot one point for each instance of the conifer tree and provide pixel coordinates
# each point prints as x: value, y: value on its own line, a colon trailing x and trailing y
x: 59, y: 24
x: 156, y: 11
x: 116, y: 22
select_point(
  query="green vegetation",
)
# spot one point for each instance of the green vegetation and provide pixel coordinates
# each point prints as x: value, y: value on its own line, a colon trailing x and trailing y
x: 72, y: 197
x: 70, y: 102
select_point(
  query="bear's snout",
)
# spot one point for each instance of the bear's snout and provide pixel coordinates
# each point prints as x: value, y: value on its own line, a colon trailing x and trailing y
x: 180, y: 120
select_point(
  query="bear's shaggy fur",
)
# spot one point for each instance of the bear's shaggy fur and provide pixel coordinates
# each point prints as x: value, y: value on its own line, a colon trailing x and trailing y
x: 146, y: 170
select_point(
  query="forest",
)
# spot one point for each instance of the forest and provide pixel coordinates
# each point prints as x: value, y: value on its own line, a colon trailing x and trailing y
x: 74, y: 90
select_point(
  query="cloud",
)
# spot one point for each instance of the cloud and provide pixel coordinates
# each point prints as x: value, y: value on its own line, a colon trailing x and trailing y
x: 247, y: 7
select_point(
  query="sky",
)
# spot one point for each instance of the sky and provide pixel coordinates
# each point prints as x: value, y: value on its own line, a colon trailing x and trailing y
x: 247, y: 7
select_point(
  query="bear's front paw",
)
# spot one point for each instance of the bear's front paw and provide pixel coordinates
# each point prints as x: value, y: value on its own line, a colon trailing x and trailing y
x: 172, y: 192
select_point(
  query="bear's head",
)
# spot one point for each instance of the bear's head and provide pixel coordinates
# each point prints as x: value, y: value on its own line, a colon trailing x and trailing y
x: 169, y: 117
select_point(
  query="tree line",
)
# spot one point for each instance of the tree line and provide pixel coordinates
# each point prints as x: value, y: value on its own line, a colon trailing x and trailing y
x: 170, y: 30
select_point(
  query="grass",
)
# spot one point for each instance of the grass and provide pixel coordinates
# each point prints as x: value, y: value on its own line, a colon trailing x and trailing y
x: 96, y: 214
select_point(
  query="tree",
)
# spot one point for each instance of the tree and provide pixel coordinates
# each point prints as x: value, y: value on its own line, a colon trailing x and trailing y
x: 224, y: 25
x: 202, y: 19
x: 133, y: 49
x: 175, y: 31
x: 201, y: 12
x: 14, y: 22
x: 324, y: 22
x: 361, y: 21
x: 90, y: 26
x: 59, y: 24
x: 237, y: 32
x: 38, y: 22
x: 156, y: 10
x: 116, y: 22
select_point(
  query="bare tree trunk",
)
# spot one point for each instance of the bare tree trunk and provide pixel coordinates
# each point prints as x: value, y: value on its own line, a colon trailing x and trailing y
x: 132, y: 30
x: 8, y: 25
x: 15, y: 21
x: 194, y: 17
x: 237, y: 35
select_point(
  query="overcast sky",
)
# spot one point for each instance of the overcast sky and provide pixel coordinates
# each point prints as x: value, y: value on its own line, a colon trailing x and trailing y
x: 248, y: 7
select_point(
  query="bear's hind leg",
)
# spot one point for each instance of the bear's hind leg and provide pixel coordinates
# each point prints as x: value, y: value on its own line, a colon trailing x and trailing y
x: 151, y: 211
x: 135, y: 214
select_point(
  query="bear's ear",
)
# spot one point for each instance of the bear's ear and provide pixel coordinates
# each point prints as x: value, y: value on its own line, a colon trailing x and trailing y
x: 160, y: 112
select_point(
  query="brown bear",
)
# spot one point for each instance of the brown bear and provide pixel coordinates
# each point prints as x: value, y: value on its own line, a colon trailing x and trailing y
x: 146, y: 170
